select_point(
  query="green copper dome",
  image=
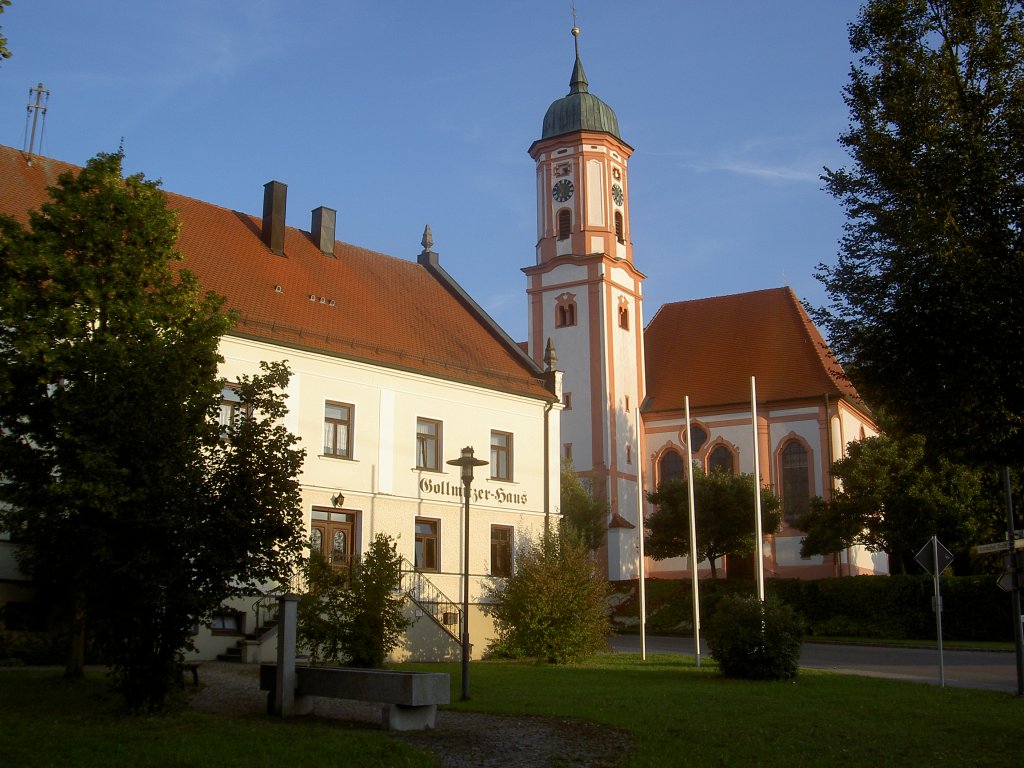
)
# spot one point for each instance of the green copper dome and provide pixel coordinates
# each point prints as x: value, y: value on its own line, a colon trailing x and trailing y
x: 579, y: 110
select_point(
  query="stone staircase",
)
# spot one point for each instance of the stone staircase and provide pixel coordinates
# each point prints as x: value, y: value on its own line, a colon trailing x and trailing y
x: 443, y: 611
x: 265, y: 610
x: 424, y: 594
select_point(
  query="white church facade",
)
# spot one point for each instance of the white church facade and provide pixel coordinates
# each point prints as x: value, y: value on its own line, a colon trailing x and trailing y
x: 623, y: 422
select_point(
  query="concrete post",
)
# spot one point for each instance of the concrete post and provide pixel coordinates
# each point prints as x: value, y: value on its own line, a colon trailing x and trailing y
x: 284, y: 694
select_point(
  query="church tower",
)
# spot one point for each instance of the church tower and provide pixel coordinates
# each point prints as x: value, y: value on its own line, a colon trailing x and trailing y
x: 585, y: 297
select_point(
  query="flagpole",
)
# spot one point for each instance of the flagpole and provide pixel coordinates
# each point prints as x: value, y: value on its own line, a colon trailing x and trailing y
x: 640, y: 536
x: 758, y: 538
x: 693, y: 538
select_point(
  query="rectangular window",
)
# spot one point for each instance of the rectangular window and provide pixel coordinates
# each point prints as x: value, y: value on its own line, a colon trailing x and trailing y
x: 501, y: 455
x: 567, y: 451
x: 426, y: 545
x: 567, y: 400
x: 338, y: 430
x: 231, y: 409
x: 428, y: 444
x: 501, y: 550
x: 225, y: 623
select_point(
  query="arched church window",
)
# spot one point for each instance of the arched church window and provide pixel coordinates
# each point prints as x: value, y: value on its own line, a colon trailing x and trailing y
x: 564, y: 223
x: 721, y: 459
x: 618, y: 228
x: 670, y: 466
x: 796, y: 486
x: 624, y: 317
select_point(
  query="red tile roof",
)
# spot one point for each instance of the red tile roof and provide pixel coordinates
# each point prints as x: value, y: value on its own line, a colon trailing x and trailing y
x: 709, y: 348
x: 386, y: 311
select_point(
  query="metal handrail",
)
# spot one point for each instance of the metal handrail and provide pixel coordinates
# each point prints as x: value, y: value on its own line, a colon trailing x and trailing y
x: 444, y: 611
x: 268, y: 601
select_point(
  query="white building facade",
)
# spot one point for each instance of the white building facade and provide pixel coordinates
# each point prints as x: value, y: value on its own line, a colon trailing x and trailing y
x: 395, y: 370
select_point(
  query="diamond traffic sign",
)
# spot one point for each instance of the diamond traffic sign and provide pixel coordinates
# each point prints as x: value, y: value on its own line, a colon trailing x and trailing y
x: 927, y: 554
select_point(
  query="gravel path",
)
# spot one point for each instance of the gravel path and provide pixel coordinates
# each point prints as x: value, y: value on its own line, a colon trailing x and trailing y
x: 461, y: 739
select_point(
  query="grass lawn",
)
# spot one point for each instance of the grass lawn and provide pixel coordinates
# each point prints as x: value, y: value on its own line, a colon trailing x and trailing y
x: 678, y: 715
x: 48, y: 721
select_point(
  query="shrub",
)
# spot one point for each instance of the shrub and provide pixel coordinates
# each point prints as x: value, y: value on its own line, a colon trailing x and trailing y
x: 553, y: 607
x: 754, y: 640
x: 18, y: 648
x: 353, y: 615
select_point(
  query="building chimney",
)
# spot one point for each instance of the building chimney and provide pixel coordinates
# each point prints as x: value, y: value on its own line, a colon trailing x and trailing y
x: 322, y: 229
x: 275, y: 196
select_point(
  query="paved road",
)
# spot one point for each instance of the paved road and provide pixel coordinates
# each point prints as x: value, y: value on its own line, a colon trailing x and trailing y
x: 966, y: 669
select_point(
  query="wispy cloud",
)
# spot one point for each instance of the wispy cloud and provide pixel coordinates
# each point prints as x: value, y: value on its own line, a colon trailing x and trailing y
x: 778, y: 160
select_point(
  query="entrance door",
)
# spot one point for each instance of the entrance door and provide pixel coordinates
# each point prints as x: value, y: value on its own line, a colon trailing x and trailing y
x: 333, y: 540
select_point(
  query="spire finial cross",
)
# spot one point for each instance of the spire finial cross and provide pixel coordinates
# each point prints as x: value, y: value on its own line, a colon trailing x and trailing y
x: 575, y: 29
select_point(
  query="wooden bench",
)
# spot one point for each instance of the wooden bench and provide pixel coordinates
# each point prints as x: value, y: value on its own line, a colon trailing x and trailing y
x: 410, y: 699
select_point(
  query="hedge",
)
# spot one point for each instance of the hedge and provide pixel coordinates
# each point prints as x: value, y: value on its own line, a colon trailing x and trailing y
x: 870, y: 607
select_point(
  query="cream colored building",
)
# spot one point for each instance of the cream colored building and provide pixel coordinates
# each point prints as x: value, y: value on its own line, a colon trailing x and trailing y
x: 394, y: 371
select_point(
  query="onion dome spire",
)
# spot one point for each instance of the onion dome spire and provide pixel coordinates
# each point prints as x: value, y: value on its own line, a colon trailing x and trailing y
x: 580, y: 110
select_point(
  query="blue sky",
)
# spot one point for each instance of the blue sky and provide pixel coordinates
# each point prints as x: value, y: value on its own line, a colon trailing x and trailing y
x: 403, y: 114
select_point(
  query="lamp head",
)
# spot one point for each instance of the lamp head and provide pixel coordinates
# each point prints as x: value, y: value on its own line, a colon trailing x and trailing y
x: 467, y: 461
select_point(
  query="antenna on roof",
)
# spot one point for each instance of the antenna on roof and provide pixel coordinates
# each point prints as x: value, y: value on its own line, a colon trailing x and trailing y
x: 42, y: 99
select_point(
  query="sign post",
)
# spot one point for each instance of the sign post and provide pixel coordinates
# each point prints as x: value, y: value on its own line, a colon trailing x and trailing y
x: 935, y: 558
x: 1015, y: 585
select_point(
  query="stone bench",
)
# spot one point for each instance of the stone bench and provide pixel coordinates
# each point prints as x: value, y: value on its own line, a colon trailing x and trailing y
x: 410, y: 699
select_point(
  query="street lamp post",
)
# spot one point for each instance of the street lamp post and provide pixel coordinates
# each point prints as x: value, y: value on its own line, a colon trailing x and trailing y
x: 466, y: 461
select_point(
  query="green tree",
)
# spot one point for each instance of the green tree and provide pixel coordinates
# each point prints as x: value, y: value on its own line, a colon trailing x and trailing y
x: 827, y: 528
x: 924, y: 305
x: 321, y: 610
x: 583, y: 514
x: 4, y: 51
x: 123, y: 494
x: 353, y: 615
x: 724, y: 509
x: 554, y: 607
x: 892, y: 498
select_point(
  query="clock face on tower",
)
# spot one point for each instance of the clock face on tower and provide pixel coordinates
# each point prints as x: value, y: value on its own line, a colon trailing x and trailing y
x: 562, y: 190
x: 617, y: 195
